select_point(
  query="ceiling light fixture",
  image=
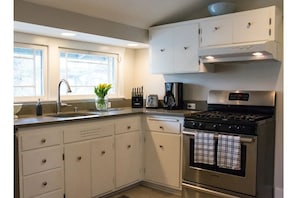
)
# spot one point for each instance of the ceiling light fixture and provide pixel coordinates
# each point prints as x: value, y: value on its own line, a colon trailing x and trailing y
x: 67, y: 34
x: 132, y: 44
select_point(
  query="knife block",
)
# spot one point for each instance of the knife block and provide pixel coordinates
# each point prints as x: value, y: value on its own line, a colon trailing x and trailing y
x: 137, y: 101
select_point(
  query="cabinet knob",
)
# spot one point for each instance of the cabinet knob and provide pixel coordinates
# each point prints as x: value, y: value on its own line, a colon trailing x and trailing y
x: 186, y: 48
x: 43, y: 140
x: 249, y: 25
x: 129, y: 146
x: 162, y: 50
x: 44, y: 183
x: 161, y: 127
x: 79, y: 158
x: 128, y: 127
x: 161, y: 146
x: 43, y: 161
x: 216, y: 28
x: 103, y: 152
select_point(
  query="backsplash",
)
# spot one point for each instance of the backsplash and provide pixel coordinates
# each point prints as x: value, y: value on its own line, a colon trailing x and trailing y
x: 89, y: 105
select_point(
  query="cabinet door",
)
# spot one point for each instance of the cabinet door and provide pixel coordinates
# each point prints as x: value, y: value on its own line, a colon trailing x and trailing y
x: 216, y: 32
x: 162, y: 159
x: 77, y: 170
x: 252, y: 26
x: 102, y: 153
x: 185, y: 48
x: 161, y: 52
x: 128, y: 158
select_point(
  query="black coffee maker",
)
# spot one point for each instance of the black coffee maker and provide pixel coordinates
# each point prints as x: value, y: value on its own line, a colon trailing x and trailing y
x: 173, y: 98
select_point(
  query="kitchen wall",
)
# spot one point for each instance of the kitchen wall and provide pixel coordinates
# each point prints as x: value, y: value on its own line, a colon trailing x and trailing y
x: 250, y: 75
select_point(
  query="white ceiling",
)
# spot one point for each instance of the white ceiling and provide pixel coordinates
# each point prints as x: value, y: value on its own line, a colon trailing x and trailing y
x: 137, y: 13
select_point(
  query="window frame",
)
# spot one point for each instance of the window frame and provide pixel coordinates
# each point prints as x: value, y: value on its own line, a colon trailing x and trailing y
x: 69, y: 96
x: 44, y: 49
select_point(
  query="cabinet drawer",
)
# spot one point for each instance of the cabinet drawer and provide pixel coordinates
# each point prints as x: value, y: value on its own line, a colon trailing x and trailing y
x: 168, y: 125
x: 55, y: 194
x: 41, y: 137
x: 42, y: 183
x: 88, y: 131
x: 40, y: 160
x: 125, y: 125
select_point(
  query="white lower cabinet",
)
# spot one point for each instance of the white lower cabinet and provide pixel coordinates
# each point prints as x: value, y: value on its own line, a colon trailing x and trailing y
x: 87, y: 159
x: 102, y: 165
x: 40, y: 157
x: 162, y: 151
x: 77, y: 170
x: 128, y: 158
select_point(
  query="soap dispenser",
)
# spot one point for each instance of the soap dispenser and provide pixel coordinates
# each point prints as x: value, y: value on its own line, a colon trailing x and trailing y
x: 38, y: 108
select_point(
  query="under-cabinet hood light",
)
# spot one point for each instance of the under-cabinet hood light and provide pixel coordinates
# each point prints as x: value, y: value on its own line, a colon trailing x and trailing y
x: 264, y: 50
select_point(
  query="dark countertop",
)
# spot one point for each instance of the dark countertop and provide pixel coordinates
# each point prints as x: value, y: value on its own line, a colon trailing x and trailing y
x: 32, y: 120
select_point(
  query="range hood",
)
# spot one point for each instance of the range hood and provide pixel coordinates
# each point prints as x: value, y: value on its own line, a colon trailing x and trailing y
x: 268, y: 50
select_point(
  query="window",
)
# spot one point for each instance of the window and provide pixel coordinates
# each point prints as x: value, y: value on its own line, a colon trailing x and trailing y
x: 84, y: 70
x: 29, y: 71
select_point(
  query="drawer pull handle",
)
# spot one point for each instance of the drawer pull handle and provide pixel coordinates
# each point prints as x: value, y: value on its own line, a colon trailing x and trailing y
x: 128, y: 127
x: 129, y: 146
x: 79, y: 158
x: 103, y: 152
x: 249, y: 25
x: 44, y: 183
x: 43, y: 161
x: 43, y: 140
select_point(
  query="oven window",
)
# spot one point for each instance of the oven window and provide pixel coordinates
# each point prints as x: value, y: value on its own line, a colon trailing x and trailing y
x: 240, y: 172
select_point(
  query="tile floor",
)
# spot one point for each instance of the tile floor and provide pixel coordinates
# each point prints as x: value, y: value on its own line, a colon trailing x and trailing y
x: 144, y: 192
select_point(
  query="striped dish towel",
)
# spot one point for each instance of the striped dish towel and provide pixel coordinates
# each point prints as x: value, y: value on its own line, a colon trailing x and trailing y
x: 228, y: 154
x: 204, y: 148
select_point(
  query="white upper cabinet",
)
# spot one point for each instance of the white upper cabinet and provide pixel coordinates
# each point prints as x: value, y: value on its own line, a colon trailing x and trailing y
x: 185, y: 48
x: 215, y: 32
x: 256, y: 25
x: 161, y: 50
x: 241, y: 27
x: 173, y: 49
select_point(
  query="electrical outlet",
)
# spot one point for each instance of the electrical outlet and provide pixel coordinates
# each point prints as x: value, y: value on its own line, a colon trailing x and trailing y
x: 191, y: 106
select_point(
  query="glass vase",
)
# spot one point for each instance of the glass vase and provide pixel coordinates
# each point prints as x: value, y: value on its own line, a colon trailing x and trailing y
x: 101, y: 103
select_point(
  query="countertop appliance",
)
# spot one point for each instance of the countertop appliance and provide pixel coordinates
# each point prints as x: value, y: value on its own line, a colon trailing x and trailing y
x: 137, y: 97
x: 244, y: 122
x: 173, y: 98
x: 152, y: 101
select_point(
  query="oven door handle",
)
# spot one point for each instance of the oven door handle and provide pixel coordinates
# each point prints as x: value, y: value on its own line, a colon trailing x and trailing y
x: 242, y: 139
x: 207, y: 191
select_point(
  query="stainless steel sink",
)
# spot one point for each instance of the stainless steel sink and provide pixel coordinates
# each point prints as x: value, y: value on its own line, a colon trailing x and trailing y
x: 71, y: 115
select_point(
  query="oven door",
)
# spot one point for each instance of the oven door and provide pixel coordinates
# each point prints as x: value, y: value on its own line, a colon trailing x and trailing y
x: 241, y: 181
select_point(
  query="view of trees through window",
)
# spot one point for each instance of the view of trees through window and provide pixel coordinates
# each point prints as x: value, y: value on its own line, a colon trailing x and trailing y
x: 84, y: 71
x: 28, y: 72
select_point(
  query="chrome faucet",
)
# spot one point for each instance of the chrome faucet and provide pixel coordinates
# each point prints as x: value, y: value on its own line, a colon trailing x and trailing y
x: 59, y: 104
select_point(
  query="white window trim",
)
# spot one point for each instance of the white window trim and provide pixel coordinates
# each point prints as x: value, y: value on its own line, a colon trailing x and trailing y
x: 45, y: 72
x: 67, y: 96
x: 53, y: 76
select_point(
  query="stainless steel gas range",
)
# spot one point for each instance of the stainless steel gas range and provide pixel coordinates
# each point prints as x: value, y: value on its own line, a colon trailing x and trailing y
x: 228, y: 150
